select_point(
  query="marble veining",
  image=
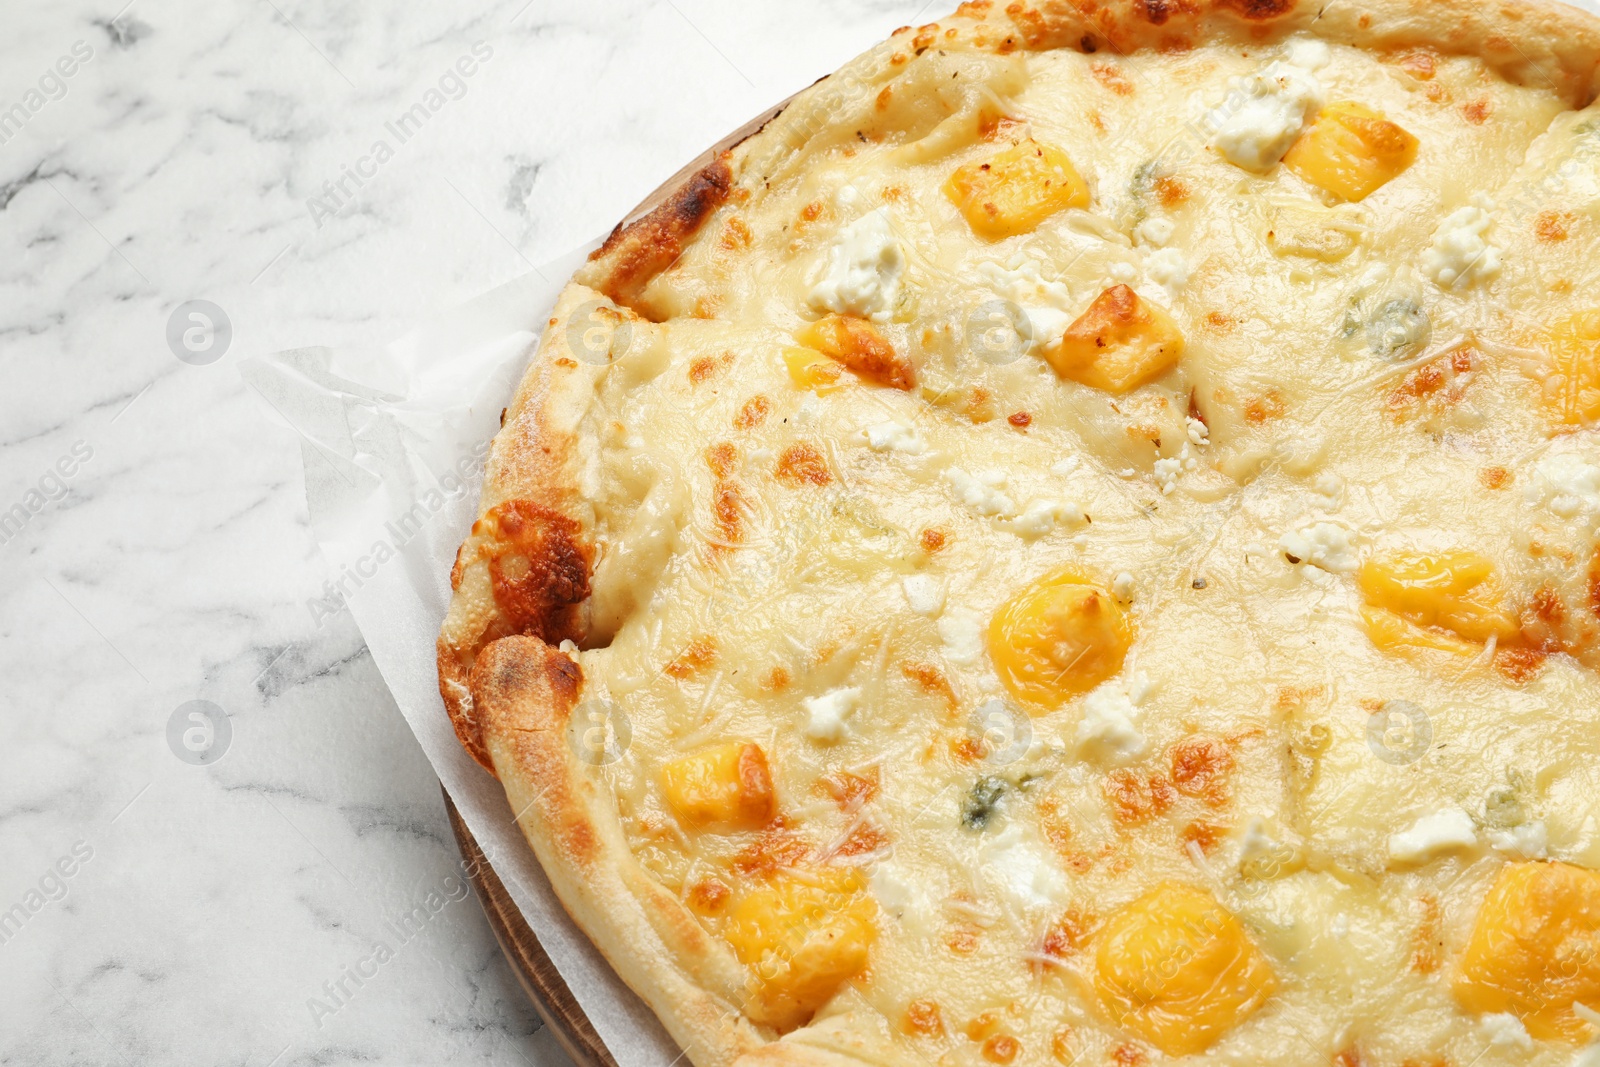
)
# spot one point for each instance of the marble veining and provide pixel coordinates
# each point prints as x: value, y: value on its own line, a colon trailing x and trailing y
x: 298, y: 900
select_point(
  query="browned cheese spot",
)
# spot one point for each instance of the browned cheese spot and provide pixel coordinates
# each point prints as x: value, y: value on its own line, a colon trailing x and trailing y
x: 538, y: 569
x: 802, y: 464
x: 703, y: 367
x: 923, y: 1018
x: 1112, y: 78
x: 1553, y: 227
x: 1260, y: 409
x: 753, y: 413
x: 696, y: 657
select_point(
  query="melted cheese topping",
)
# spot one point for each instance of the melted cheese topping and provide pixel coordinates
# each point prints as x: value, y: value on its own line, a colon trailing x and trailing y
x: 1350, y: 524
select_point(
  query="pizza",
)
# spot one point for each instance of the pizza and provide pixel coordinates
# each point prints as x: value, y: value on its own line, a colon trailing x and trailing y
x: 1077, y: 542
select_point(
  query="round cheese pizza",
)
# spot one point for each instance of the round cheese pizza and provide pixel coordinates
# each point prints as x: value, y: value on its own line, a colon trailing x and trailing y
x: 1078, y: 543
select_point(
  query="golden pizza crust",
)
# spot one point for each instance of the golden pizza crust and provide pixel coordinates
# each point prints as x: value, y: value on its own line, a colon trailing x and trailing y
x: 511, y: 693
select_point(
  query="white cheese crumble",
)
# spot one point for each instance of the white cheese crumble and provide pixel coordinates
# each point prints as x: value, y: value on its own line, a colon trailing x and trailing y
x: 1310, y: 52
x: 1263, y: 115
x: 889, y: 885
x: 1506, y: 1030
x: 961, y: 631
x: 1043, y: 516
x: 1566, y: 484
x: 828, y: 713
x: 862, y: 276
x: 1167, y: 471
x: 1199, y: 433
x: 981, y: 491
x: 1046, y: 305
x: 1329, y: 490
x: 1107, y: 729
x: 924, y: 593
x: 1155, y: 232
x: 1168, y: 269
x: 1322, y: 544
x: 1529, y: 840
x: 1027, y: 875
x: 1460, y: 256
x: 894, y: 437
x: 1443, y: 831
x: 1122, y: 273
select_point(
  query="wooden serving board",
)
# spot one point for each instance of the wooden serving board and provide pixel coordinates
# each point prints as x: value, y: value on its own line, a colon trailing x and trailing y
x: 539, y: 978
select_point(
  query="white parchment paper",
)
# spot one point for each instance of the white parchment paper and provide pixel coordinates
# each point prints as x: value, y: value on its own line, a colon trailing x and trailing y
x: 393, y: 442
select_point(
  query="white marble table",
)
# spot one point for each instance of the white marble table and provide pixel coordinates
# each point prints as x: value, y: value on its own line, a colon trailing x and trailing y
x: 155, y: 910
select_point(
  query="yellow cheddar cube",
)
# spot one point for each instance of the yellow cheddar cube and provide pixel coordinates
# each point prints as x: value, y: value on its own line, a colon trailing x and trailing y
x: 810, y: 369
x: 803, y: 935
x: 856, y: 344
x: 1389, y: 631
x: 1179, y: 970
x: 729, y: 785
x: 1535, y: 949
x: 1451, y: 600
x: 1573, y: 389
x: 1351, y: 151
x: 1059, y: 637
x: 1120, y: 343
x: 1016, y: 189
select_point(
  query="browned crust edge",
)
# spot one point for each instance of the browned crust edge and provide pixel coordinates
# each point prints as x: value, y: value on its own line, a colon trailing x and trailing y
x: 636, y: 252
x: 525, y: 692
x: 1528, y: 42
x: 533, y: 459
